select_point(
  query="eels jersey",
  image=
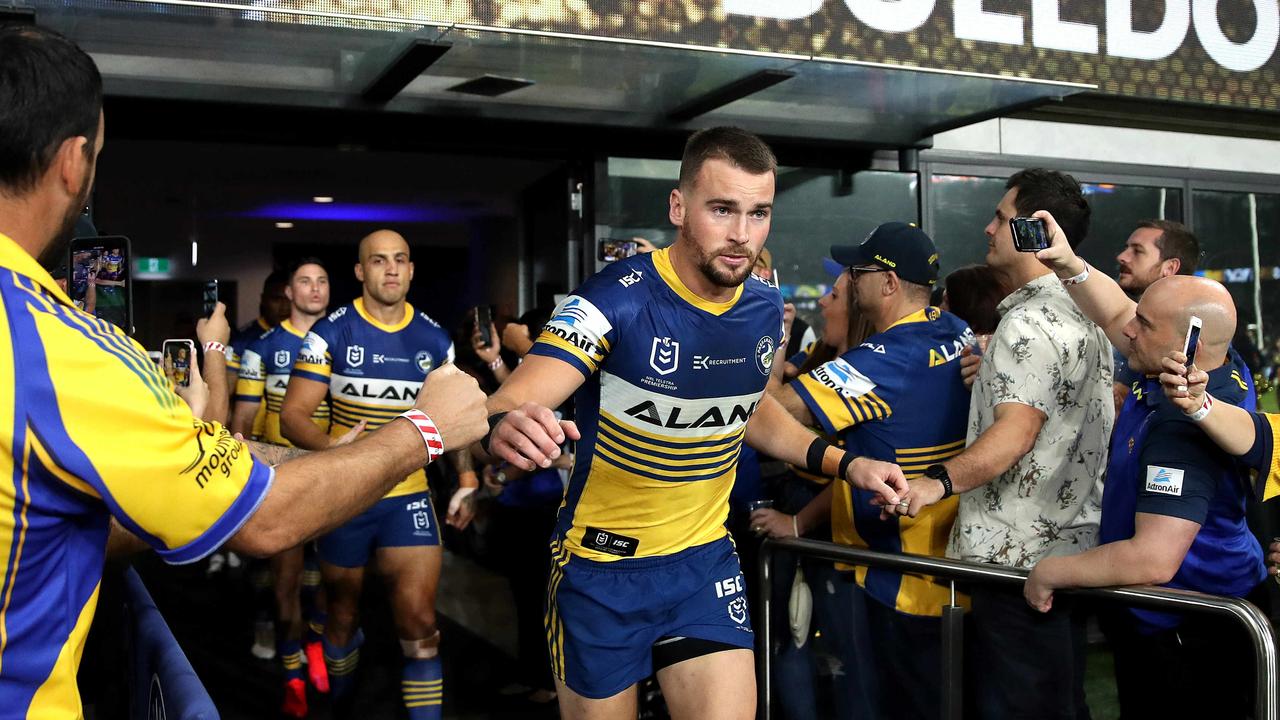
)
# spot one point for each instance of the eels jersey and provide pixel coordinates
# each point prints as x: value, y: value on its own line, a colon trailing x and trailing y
x: 265, y: 367
x: 672, y: 380
x: 374, y: 371
x: 240, y: 340
x: 897, y: 397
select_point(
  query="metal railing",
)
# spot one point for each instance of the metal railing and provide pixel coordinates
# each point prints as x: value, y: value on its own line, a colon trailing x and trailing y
x: 1267, y: 704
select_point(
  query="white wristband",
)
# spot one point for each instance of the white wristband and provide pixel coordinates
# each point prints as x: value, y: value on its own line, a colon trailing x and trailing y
x: 1203, y: 412
x: 430, y: 435
x: 216, y: 346
x: 1077, y: 279
x: 496, y: 364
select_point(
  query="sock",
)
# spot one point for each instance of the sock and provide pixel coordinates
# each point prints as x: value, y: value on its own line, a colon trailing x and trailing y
x: 315, y: 627
x: 423, y: 688
x: 341, y: 663
x: 290, y: 652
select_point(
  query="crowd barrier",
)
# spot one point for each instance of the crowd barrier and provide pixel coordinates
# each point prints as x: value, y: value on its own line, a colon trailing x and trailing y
x: 1255, y: 622
x: 162, y: 684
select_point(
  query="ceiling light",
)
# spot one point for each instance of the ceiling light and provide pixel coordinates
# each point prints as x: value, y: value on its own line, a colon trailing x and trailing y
x: 322, y: 199
x: 284, y: 225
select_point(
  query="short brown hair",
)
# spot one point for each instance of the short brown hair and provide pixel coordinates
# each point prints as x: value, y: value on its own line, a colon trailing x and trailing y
x: 734, y: 145
x: 1176, y: 241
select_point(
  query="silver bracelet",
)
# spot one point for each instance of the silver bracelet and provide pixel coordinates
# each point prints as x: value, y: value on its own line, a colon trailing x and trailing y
x: 1077, y: 279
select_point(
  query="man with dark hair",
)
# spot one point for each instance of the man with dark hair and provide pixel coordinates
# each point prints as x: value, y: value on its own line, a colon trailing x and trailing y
x: 1156, y: 249
x: 669, y: 353
x: 1031, y: 476
x: 184, y: 486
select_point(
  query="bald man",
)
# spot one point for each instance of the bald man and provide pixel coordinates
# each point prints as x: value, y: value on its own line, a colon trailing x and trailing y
x: 1173, y: 510
x: 369, y: 358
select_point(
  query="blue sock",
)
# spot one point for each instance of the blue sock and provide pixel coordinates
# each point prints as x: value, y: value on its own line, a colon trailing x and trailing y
x: 341, y: 663
x: 290, y: 652
x: 423, y: 688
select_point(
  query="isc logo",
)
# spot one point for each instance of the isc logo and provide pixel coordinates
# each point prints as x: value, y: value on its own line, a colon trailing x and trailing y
x: 729, y: 586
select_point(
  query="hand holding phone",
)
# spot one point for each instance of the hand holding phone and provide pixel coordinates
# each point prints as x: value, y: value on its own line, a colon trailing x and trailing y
x: 1029, y: 234
x: 1192, y: 342
x: 209, y: 300
x: 484, y: 325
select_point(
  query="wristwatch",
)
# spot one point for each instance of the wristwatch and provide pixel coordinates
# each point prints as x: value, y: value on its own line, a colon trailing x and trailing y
x: 939, y: 473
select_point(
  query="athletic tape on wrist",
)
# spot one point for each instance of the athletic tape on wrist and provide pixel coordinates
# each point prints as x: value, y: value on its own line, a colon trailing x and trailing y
x: 845, y: 462
x: 430, y: 435
x: 494, y: 419
x: 813, y: 458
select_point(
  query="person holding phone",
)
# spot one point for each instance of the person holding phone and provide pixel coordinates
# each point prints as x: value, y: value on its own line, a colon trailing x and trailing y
x: 368, y: 358
x: 1173, y: 512
x: 76, y: 458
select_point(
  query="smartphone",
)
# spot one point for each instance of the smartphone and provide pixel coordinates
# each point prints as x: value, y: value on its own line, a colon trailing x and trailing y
x: 613, y: 250
x: 1193, y: 339
x: 1029, y: 234
x: 484, y: 321
x: 99, y: 278
x: 180, y: 354
x: 209, y: 298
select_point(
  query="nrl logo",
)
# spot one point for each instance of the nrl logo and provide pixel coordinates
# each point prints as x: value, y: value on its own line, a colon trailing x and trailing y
x: 664, y: 358
x: 355, y: 355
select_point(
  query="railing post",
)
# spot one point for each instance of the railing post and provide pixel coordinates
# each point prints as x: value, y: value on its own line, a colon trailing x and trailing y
x: 764, y: 654
x: 952, y: 659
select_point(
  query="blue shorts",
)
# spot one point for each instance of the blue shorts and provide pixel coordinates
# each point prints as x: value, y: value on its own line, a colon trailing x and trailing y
x: 603, y: 618
x: 401, y: 521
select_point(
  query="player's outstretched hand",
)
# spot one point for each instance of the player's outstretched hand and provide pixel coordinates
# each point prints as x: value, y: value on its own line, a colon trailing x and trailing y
x: 530, y: 436
x: 882, y: 478
x: 454, y: 401
x: 1184, y: 386
x: 351, y: 435
x: 462, y: 508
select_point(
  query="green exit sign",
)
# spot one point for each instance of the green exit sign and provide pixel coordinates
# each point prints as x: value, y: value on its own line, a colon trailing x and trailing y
x: 151, y: 265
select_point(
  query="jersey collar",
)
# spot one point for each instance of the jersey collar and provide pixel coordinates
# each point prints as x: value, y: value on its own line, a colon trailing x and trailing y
x: 289, y: 328
x: 14, y: 258
x: 921, y: 315
x: 404, y: 322
x: 662, y: 263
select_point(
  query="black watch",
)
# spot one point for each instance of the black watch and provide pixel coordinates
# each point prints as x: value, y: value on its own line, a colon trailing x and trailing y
x: 939, y: 473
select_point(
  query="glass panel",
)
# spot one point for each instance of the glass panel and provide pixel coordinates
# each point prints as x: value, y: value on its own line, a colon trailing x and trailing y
x: 1224, y: 223
x: 1117, y: 210
x: 962, y: 207
x: 814, y: 209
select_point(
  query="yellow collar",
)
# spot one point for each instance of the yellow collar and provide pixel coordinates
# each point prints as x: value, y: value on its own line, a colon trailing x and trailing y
x: 291, y: 329
x: 408, y: 316
x: 921, y: 315
x: 14, y: 258
x: 662, y: 262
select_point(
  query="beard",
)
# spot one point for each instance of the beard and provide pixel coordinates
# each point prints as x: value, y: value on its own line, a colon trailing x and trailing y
x: 721, y: 277
x: 55, y: 253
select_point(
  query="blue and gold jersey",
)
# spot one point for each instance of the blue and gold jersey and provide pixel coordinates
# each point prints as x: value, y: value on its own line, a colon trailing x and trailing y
x: 671, y: 381
x: 90, y: 428
x: 897, y: 397
x: 374, y: 371
x: 265, y: 368
x: 240, y: 340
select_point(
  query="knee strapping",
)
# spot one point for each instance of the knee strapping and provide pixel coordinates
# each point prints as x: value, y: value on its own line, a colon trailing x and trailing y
x: 423, y: 649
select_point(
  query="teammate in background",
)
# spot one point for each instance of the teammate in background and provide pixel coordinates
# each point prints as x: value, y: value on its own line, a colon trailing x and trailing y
x: 273, y: 307
x: 181, y: 367
x: 84, y: 273
x: 265, y: 366
x: 668, y: 353
x: 369, y: 358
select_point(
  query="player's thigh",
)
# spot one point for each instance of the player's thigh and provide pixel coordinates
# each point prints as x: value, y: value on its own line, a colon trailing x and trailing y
x: 412, y: 574
x: 718, y: 686
x: 576, y: 707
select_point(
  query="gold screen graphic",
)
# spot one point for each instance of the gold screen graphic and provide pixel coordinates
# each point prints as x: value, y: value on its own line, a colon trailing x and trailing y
x: 1197, y: 51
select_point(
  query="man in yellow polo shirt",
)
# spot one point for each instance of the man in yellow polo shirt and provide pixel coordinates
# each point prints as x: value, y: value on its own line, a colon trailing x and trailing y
x: 72, y: 457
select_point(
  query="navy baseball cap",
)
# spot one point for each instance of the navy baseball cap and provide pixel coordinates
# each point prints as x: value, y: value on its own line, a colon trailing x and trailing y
x: 897, y: 246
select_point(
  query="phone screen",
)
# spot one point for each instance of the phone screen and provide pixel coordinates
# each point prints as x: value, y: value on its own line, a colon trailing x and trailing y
x: 1029, y: 234
x: 178, y: 356
x: 484, y: 319
x: 209, y: 299
x: 99, y: 279
x: 1193, y: 339
x: 613, y: 250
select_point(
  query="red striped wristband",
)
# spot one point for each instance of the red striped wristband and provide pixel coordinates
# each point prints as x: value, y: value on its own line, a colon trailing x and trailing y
x: 430, y: 435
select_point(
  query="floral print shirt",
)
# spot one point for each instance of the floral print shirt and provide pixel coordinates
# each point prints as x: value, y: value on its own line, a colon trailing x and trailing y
x: 1047, y: 355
